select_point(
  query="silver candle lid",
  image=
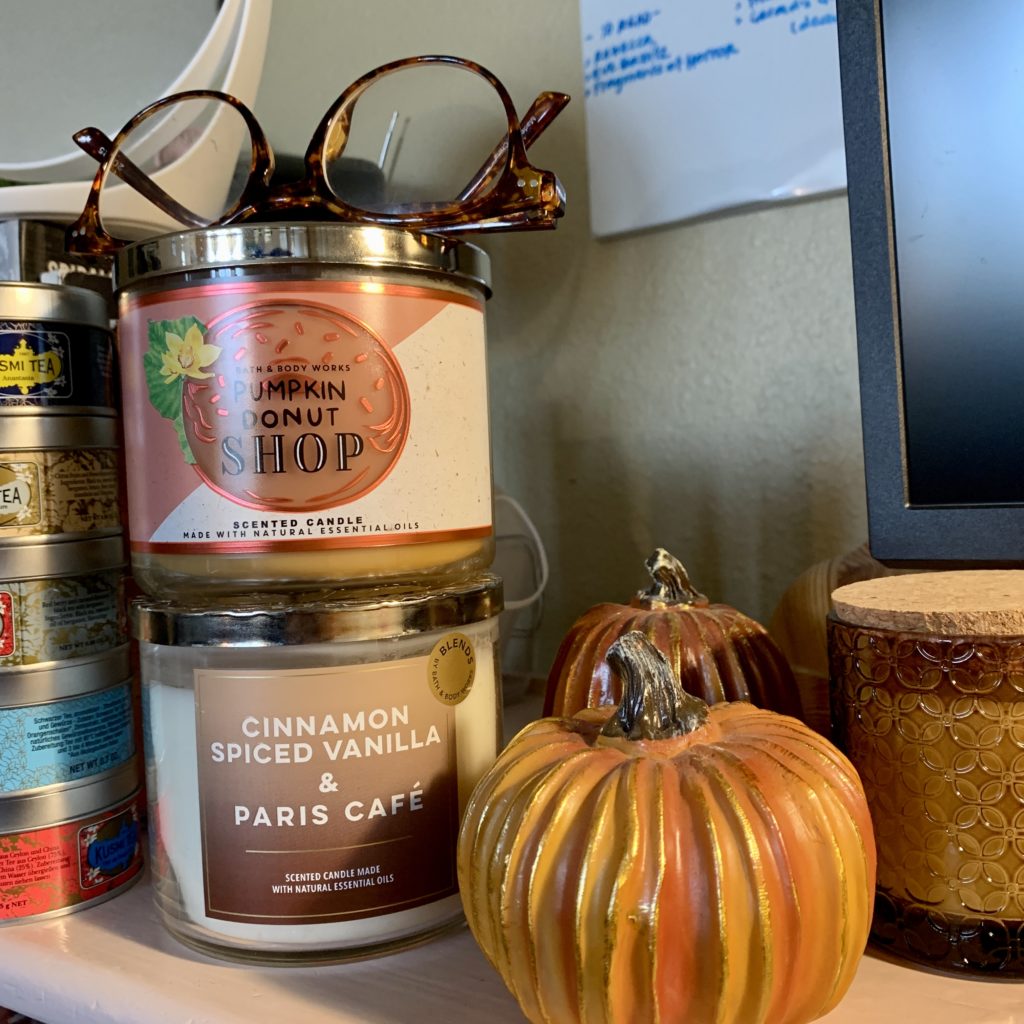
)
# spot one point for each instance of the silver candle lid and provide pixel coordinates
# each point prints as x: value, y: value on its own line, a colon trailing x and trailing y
x: 266, y: 246
x: 274, y: 620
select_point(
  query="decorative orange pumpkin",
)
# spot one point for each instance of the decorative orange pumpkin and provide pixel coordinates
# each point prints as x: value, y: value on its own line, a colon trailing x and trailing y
x: 669, y: 862
x: 722, y: 653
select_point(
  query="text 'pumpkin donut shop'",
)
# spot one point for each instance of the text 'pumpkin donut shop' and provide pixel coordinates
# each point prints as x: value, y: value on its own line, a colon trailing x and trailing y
x: 310, y: 517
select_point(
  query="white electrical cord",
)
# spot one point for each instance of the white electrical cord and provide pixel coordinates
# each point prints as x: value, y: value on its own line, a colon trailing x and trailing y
x: 542, y: 558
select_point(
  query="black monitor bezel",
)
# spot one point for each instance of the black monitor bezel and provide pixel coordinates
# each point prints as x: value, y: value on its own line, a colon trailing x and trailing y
x: 899, y: 534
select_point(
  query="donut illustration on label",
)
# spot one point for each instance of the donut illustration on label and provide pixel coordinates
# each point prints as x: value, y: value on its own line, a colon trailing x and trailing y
x: 281, y: 406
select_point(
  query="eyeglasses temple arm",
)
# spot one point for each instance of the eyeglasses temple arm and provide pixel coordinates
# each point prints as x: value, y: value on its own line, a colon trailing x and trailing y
x: 544, y: 109
x: 99, y: 147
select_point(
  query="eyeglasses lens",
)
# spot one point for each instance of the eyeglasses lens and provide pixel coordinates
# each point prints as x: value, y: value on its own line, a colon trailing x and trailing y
x: 429, y: 130
x: 206, y: 127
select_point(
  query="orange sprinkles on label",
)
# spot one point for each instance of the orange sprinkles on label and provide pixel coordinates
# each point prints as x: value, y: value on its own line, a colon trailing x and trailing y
x: 282, y: 419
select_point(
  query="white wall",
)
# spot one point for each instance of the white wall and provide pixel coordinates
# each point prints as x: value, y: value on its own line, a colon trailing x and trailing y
x: 692, y: 387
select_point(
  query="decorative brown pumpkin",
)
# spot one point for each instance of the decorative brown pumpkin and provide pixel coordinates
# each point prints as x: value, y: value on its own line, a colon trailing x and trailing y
x: 669, y: 861
x: 722, y: 653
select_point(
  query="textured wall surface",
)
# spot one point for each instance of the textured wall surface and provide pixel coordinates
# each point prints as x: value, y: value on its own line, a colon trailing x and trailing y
x: 692, y: 387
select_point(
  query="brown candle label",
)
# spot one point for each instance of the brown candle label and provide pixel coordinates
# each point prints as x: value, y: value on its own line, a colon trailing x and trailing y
x: 325, y: 794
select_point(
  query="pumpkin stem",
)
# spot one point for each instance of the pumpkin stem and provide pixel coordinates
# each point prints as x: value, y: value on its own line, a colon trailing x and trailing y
x: 654, y: 704
x: 670, y: 582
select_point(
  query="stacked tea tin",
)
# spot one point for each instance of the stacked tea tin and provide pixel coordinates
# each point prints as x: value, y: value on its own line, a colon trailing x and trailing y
x: 69, y: 778
x: 310, y: 515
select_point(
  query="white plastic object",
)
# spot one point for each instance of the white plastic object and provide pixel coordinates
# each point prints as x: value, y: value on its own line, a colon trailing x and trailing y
x: 202, y: 172
x: 203, y: 71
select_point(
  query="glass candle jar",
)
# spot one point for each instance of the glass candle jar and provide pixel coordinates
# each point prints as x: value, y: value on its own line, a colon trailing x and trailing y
x: 927, y: 679
x: 308, y: 761
x: 308, y: 405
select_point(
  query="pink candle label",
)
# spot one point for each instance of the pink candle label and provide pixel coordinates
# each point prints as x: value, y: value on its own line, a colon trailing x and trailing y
x: 280, y: 416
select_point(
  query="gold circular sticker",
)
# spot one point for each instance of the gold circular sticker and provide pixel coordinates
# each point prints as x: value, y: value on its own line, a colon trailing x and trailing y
x: 451, y: 668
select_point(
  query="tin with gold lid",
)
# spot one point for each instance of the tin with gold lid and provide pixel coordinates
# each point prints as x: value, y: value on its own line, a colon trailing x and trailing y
x: 59, y: 478
x: 309, y: 405
x: 60, y: 602
x: 56, y: 350
x: 309, y: 757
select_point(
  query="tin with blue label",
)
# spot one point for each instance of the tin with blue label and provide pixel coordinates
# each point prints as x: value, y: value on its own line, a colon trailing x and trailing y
x: 63, y: 726
x: 56, y: 350
x: 65, y: 741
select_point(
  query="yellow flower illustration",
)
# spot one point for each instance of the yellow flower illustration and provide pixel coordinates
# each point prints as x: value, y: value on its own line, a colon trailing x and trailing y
x: 186, y: 356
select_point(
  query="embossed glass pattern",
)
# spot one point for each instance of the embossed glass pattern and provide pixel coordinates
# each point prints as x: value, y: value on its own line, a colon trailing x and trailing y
x: 935, y: 727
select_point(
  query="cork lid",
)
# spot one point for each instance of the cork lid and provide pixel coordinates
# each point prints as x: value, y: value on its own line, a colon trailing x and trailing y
x: 968, y: 602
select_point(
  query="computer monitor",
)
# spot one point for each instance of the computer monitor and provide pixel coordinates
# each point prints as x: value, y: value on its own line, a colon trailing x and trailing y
x: 933, y: 105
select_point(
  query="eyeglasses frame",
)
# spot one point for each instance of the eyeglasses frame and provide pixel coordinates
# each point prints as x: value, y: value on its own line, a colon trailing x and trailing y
x: 507, y: 192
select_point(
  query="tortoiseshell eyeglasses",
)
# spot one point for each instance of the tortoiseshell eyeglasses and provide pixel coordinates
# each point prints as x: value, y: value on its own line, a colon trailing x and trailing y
x: 505, y: 192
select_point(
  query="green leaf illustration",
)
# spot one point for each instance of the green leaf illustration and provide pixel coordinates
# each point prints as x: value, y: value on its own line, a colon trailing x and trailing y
x: 164, y: 393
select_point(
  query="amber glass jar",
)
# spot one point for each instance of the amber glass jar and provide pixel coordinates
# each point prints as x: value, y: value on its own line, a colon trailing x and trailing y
x: 931, y: 713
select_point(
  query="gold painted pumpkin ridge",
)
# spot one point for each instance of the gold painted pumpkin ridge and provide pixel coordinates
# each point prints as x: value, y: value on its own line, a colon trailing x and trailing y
x: 720, y: 872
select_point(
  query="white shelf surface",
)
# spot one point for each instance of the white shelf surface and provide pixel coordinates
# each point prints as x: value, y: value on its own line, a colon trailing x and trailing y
x: 115, y: 964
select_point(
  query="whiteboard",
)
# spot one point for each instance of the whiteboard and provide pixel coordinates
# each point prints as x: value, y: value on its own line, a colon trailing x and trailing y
x: 702, y: 105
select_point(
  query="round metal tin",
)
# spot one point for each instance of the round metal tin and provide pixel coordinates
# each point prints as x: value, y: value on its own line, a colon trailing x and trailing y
x: 71, y: 741
x: 279, y: 245
x: 27, y: 812
x: 60, y: 602
x: 56, y: 351
x: 63, y: 558
x: 29, y: 684
x: 59, y: 478
x: 21, y: 300
x: 283, y: 620
x: 70, y: 847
